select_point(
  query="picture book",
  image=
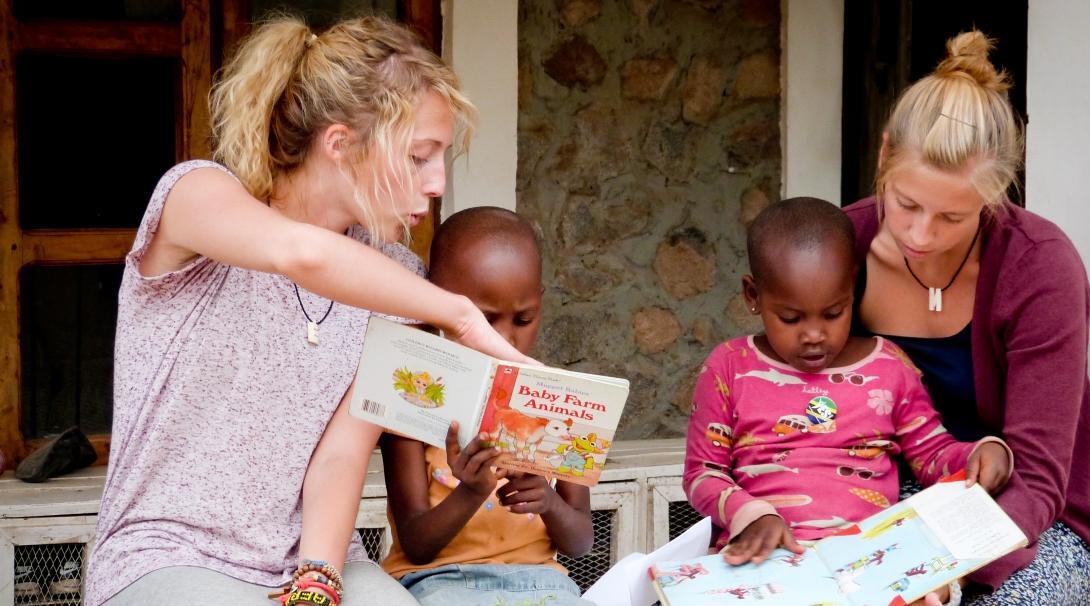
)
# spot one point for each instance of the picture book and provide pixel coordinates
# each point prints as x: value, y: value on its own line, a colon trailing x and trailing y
x: 546, y: 421
x: 893, y: 557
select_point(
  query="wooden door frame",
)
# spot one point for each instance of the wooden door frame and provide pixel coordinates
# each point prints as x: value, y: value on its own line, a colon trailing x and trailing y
x: 199, y: 40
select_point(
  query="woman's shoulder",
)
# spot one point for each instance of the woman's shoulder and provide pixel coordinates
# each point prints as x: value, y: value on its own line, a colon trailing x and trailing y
x: 864, y: 217
x: 1022, y: 242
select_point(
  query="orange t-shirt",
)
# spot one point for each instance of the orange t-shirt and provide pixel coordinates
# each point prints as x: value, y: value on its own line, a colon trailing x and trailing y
x: 492, y: 536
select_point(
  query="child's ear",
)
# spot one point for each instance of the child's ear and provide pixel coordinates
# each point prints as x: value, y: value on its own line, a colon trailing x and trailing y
x: 749, y: 291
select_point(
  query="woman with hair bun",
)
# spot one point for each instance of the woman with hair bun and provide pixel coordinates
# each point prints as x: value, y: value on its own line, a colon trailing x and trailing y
x: 241, y: 319
x: 991, y: 302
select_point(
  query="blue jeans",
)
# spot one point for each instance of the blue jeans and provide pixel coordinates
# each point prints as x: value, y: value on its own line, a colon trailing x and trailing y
x: 492, y: 585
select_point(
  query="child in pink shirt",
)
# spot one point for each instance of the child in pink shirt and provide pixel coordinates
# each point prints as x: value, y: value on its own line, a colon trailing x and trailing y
x: 794, y: 431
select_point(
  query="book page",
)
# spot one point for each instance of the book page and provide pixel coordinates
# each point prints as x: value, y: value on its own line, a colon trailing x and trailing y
x: 556, y: 424
x: 918, y: 545
x: 415, y: 383
x: 969, y: 523
x: 626, y: 583
x: 785, y: 579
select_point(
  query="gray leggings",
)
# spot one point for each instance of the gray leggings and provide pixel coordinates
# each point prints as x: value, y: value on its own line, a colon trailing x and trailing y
x: 364, y: 583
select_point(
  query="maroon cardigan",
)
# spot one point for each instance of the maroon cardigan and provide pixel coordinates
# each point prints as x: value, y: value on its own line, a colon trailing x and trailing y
x: 1029, y: 343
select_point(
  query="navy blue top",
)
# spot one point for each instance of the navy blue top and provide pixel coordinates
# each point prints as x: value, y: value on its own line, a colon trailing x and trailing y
x: 947, y: 366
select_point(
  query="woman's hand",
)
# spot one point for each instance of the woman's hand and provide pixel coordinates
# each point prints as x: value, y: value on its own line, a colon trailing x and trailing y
x: 473, y: 330
x: 472, y: 466
x: 990, y: 465
x: 759, y: 539
x: 527, y: 493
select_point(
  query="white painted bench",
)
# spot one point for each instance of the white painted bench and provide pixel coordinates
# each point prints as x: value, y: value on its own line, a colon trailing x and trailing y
x: 638, y: 505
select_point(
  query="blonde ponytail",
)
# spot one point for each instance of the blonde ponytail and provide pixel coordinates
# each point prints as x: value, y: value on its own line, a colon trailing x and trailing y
x: 242, y: 102
x: 956, y: 116
x: 286, y: 84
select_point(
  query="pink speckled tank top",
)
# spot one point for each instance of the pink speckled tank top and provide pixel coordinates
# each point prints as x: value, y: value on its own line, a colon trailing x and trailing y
x: 219, y: 402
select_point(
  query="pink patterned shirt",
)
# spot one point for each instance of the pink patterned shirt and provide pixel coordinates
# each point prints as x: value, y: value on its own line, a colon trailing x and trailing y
x: 219, y: 402
x: 816, y: 449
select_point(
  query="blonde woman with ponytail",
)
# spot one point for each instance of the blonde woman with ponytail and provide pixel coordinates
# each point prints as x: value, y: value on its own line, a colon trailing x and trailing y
x: 992, y: 304
x: 241, y: 316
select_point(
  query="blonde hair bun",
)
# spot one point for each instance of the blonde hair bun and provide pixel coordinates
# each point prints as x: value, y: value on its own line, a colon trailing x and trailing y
x: 967, y: 55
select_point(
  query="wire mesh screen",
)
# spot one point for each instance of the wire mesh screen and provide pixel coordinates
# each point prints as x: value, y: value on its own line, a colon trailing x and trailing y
x: 586, y: 569
x: 373, y: 542
x: 49, y: 574
x: 681, y: 516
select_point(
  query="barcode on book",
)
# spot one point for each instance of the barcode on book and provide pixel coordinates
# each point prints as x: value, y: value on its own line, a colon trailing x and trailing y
x: 374, y: 408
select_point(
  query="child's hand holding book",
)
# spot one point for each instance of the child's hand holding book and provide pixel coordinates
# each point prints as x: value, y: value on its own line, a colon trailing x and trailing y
x: 756, y: 541
x: 989, y: 465
x: 472, y: 466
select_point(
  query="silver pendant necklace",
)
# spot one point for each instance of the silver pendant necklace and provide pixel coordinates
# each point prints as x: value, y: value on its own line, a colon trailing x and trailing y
x: 934, y: 295
x: 312, y: 326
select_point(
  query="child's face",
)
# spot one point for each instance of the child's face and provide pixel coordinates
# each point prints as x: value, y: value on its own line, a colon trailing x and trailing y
x: 504, y: 282
x: 806, y: 305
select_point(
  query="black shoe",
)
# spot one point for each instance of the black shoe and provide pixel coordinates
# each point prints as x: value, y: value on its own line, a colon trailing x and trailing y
x: 63, y: 454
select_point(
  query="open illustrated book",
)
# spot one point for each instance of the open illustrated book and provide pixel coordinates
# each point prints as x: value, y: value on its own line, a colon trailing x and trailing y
x: 893, y: 557
x: 546, y: 421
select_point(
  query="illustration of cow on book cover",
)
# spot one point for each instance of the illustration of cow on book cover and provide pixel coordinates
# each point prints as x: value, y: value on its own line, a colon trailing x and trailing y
x: 545, y: 429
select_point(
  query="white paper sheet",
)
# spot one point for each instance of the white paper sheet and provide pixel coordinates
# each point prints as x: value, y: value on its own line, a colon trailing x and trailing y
x: 627, y: 583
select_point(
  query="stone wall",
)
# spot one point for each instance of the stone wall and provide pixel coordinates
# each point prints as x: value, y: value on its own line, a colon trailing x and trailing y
x: 648, y: 138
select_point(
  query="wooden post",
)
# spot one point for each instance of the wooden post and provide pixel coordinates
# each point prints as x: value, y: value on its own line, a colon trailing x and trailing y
x: 11, y: 254
x: 196, y: 79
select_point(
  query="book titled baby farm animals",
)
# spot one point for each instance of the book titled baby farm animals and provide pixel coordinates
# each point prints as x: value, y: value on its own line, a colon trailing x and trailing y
x: 547, y: 421
x: 892, y: 558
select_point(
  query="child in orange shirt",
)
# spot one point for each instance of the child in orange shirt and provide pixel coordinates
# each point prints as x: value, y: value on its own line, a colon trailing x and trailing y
x: 465, y: 533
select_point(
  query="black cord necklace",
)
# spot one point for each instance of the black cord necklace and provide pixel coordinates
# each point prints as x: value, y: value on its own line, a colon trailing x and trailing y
x: 934, y: 295
x: 312, y: 326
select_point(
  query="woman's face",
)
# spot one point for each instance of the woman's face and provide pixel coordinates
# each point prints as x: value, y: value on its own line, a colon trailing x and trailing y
x: 433, y: 133
x: 930, y: 211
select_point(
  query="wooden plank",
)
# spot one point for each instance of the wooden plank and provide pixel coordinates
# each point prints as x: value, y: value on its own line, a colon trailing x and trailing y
x: 424, y: 233
x: 425, y: 18
x: 158, y: 39
x: 236, y: 25
x: 11, y: 259
x: 57, y: 247
x: 196, y: 53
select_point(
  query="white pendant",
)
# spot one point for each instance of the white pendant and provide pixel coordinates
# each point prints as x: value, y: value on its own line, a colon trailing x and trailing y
x: 934, y: 299
x: 312, y: 333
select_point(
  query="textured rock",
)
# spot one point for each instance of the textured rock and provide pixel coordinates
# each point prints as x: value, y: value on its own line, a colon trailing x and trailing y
x: 753, y: 201
x: 758, y: 77
x: 761, y: 13
x: 709, y: 5
x: 682, y: 270
x: 647, y: 78
x: 575, y: 63
x: 683, y: 392
x: 655, y: 329
x: 671, y: 149
x: 643, y: 10
x: 703, y: 90
x: 704, y: 331
x: 577, y: 12
x: 567, y: 339
x: 639, y: 187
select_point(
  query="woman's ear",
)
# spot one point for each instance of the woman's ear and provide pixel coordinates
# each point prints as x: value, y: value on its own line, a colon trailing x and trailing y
x: 334, y: 142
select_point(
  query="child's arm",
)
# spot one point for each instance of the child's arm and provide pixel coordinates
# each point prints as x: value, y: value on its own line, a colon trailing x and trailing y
x: 707, y: 481
x: 933, y: 453
x: 334, y: 485
x: 424, y: 530
x: 565, y: 510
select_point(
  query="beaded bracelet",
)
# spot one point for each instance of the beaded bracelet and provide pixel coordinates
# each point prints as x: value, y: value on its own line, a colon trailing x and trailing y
x: 323, y: 568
